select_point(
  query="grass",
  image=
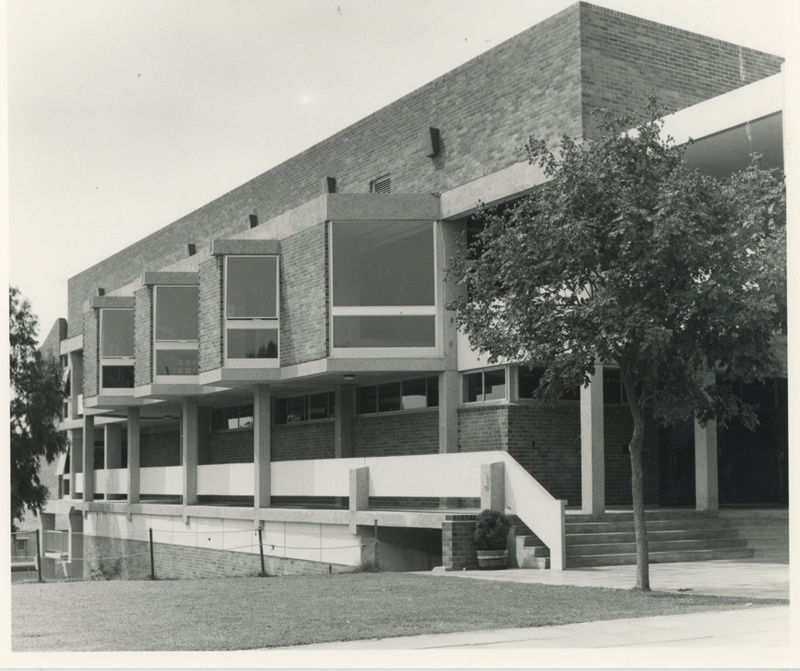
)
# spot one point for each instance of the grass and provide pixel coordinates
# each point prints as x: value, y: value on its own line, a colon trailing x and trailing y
x: 246, y: 613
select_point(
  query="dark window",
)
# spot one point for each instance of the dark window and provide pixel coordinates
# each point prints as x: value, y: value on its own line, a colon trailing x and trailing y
x: 251, y: 287
x: 305, y: 408
x: 232, y: 417
x: 485, y: 385
x: 529, y: 380
x: 415, y: 394
x: 176, y: 313
x: 252, y: 343
x: 176, y: 362
x: 116, y: 333
x: 118, y: 377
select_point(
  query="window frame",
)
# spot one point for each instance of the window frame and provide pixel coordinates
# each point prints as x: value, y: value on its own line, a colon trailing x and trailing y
x: 331, y: 409
x: 386, y: 310
x: 121, y: 361
x: 251, y: 323
x: 376, y: 386
x: 167, y: 345
x: 482, y: 401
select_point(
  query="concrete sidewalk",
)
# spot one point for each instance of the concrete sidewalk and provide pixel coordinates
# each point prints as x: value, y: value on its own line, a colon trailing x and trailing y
x: 750, y: 627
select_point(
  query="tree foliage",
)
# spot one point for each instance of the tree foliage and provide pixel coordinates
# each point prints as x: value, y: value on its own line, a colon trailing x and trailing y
x: 37, y: 391
x: 626, y: 256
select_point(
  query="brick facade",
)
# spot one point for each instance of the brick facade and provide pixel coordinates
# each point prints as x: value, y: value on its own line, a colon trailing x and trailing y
x: 396, y: 434
x: 458, y: 543
x: 91, y: 353
x: 143, y: 336
x: 482, y: 427
x: 211, y: 318
x: 229, y: 447
x: 51, y: 346
x: 304, y: 440
x: 160, y: 448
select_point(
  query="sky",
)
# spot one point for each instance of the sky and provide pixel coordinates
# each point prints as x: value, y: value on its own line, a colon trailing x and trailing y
x: 124, y: 116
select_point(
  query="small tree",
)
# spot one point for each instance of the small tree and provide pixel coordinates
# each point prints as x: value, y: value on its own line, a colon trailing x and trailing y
x: 625, y: 256
x: 37, y: 392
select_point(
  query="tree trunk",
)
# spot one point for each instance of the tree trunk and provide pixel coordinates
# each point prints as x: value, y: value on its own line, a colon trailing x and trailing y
x: 637, y: 481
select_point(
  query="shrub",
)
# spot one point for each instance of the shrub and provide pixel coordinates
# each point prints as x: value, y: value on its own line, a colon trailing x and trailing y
x: 491, y: 530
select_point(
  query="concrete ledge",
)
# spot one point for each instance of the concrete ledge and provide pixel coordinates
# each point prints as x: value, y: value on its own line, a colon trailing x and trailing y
x: 382, y: 207
x: 230, y: 247
x: 97, y: 302
x: 150, y: 278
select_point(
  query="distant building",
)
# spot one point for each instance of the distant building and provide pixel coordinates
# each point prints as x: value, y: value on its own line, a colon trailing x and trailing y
x: 281, y: 360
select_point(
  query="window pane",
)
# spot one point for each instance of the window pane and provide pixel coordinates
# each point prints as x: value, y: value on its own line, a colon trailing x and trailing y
x: 232, y: 418
x: 283, y: 411
x: 250, y: 289
x: 118, y: 377
x: 368, y: 399
x: 494, y: 382
x: 117, y: 333
x: 176, y: 362
x: 384, y: 331
x: 245, y: 416
x: 529, y: 381
x: 252, y: 343
x: 473, y: 387
x: 612, y: 386
x: 297, y: 410
x: 176, y: 313
x: 414, y: 394
x: 331, y: 404
x: 218, y: 419
x: 383, y: 263
x: 389, y: 399
x: 318, y: 406
x: 433, y: 392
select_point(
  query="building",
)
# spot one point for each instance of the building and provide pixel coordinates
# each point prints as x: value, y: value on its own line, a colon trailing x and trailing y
x: 278, y: 366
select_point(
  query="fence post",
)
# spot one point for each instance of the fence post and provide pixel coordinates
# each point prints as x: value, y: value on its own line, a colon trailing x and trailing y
x: 38, y: 555
x: 261, y: 552
x: 377, y: 545
x: 152, y: 561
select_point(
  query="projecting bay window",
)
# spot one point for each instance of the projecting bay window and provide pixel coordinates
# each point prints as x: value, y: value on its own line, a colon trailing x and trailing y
x: 116, y: 351
x: 383, y: 289
x: 176, y: 333
x: 251, y: 311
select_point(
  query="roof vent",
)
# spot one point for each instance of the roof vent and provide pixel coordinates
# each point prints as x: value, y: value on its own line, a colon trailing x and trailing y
x: 101, y: 291
x: 328, y: 185
x: 430, y: 142
x: 253, y: 218
x: 191, y: 249
x: 381, y: 184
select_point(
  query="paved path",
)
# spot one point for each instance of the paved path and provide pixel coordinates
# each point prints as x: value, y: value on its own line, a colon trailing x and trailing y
x: 755, y: 626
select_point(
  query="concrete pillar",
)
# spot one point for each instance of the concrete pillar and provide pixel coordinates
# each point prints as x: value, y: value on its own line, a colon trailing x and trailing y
x: 345, y: 411
x: 262, y: 445
x: 189, y: 450
x: 48, y: 523
x: 706, y: 477
x: 493, y: 486
x: 134, y: 433
x: 113, y: 445
x: 449, y: 401
x: 75, y: 460
x: 75, y: 544
x: 88, y: 458
x: 593, y: 470
x: 75, y: 382
x: 359, y: 493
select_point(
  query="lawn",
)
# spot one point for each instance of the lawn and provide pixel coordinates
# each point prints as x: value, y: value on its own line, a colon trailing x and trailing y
x: 245, y: 613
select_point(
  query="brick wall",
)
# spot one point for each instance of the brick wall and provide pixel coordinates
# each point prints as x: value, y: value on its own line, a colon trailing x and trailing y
x: 130, y: 560
x: 304, y: 287
x: 305, y: 440
x: 230, y: 447
x: 546, y: 441
x: 396, y: 434
x: 211, y: 317
x: 482, y: 427
x: 159, y: 448
x: 143, y: 336
x: 458, y: 544
x: 91, y: 352
x: 626, y: 59
x: 619, y: 427
x: 51, y: 346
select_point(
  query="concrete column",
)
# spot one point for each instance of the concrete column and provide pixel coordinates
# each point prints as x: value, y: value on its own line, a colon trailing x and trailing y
x: 75, y: 544
x: 134, y: 433
x: 593, y: 470
x: 189, y: 450
x: 345, y: 411
x: 48, y: 523
x: 449, y: 400
x: 706, y: 477
x: 88, y: 458
x: 262, y: 445
x: 113, y: 445
x: 359, y: 493
x: 493, y: 486
x: 75, y: 382
x: 75, y: 460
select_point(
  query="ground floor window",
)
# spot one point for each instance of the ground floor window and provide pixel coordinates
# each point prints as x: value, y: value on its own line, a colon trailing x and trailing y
x: 484, y: 385
x: 415, y: 394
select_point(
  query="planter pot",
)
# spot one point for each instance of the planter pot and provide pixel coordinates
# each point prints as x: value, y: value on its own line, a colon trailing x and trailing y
x: 489, y: 560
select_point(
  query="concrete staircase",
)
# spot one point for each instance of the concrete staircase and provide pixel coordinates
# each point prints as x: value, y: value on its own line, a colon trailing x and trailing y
x: 674, y: 536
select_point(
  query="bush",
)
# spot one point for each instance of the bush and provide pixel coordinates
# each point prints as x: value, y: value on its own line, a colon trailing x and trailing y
x: 491, y: 530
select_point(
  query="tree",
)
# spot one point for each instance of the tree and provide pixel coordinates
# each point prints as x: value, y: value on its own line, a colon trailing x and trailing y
x: 37, y: 392
x: 626, y: 256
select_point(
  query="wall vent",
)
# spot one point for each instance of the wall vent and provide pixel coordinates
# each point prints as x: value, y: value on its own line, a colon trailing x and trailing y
x: 191, y: 249
x: 253, y: 220
x: 381, y: 184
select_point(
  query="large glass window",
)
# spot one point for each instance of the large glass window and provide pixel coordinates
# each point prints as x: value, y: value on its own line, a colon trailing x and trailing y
x: 116, y: 349
x: 233, y: 417
x: 383, y: 286
x: 305, y: 408
x: 176, y: 331
x: 251, y: 310
x: 530, y: 378
x: 485, y: 385
x: 413, y: 394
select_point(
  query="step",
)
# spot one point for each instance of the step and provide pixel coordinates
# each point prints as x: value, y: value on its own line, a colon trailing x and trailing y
x: 658, y: 557
x: 655, y: 546
x: 660, y: 524
x: 667, y: 534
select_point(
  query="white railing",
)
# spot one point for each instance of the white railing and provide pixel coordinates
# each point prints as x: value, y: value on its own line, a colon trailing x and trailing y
x: 225, y: 480
x: 161, y: 480
x: 111, y: 481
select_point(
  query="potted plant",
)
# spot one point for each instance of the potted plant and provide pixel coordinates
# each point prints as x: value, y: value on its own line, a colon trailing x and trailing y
x: 491, y: 531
